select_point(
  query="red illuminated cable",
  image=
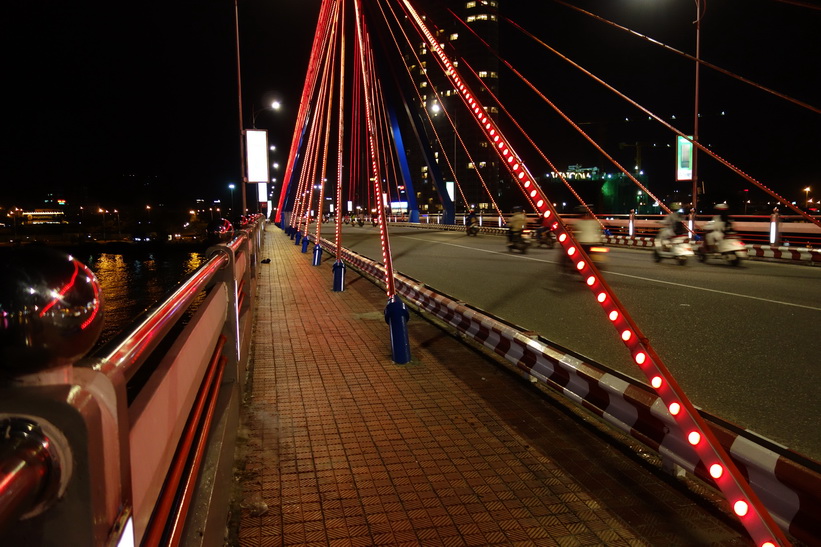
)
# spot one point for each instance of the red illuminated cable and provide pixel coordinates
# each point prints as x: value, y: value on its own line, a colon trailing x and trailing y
x: 695, y: 143
x: 63, y: 290
x: 758, y: 523
x: 328, y: 82
x: 692, y: 58
x: 340, y: 135
x: 304, y: 104
x: 364, y: 46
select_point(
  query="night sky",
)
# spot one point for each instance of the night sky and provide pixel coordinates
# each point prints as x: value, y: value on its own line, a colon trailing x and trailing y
x: 97, y: 94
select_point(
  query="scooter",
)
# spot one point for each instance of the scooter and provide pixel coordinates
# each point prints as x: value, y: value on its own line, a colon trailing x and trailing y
x: 677, y: 247
x: 519, y: 241
x: 731, y: 249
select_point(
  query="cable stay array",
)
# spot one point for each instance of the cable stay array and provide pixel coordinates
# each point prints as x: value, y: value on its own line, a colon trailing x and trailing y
x: 352, y: 101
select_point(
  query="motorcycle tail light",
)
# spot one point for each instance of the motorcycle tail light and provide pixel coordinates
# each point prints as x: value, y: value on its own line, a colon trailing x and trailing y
x: 599, y: 249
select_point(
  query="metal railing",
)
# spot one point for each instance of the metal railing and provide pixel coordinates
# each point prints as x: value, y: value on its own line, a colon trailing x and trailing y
x: 120, y: 437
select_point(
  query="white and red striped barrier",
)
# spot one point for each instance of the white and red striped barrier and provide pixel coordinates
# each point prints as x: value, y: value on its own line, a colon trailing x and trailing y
x: 789, y: 487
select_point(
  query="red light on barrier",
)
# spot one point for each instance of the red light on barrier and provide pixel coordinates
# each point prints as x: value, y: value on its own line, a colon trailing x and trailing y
x: 601, y: 297
x: 640, y: 357
x: 741, y: 508
x: 613, y: 315
x: 590, y: 281
x: 694, y: 438
x: 626, y: 335
x: 716, y: 470
x: 562, y: 237
x: 656, y: 382
x: 580, y: 265
x: 571, y: 251
x: 674, y: 409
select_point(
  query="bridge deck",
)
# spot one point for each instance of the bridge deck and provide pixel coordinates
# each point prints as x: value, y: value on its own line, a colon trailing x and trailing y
x: 344, y: 447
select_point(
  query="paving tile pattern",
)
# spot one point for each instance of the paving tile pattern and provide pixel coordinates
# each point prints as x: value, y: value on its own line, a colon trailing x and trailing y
x: 345, y: 447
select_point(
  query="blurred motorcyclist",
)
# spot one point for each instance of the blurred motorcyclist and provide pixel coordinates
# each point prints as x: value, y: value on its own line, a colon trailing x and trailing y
x: 516, y: 224
x: 718, y: 226
x: 671, y: 225
x: 472, y: 218
x: 587, y: 231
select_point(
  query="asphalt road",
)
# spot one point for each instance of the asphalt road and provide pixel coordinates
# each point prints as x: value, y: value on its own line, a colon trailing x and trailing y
x: 744, y: 342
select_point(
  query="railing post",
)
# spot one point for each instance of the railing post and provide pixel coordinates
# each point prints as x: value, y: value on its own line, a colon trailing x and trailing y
x: 775, y: 227
x: 62, y: 427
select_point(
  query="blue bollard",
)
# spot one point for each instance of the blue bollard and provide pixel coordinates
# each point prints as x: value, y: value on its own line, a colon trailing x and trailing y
x: 305, y: 241
x: 396, y: 316
x: 339, y: 276
x: 317, y: 255
x: 297, y: 237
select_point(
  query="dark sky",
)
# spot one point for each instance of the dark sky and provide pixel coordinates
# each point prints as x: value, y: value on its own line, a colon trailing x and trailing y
x: 99, y: 93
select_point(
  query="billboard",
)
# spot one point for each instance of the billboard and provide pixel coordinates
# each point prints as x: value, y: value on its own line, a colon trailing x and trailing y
x: 256, y: 155
x: 684, y: 158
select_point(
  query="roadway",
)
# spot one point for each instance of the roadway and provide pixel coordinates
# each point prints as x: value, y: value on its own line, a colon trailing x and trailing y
x: 743, y: 341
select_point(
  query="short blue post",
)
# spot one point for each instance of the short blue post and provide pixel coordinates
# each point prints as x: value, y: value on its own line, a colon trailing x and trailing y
x: 396, y: 316
x: 339, y: 276
x: 297, y: 237
x: 317, y: 255
x: 305, y: 241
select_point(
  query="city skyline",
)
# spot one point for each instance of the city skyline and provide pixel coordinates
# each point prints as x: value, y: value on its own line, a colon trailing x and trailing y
x: 101, y: 94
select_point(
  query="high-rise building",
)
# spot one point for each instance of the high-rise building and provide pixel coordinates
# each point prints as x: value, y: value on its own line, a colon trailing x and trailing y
x: 469, y: 162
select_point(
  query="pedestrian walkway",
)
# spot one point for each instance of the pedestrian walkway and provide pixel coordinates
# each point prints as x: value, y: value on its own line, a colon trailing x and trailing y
x: 345, y: 447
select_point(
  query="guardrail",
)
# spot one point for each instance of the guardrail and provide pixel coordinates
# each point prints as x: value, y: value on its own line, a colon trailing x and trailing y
x: 791, y: 253
x: 787, y: 483
x: 775, y: 230
x: 109, y: 449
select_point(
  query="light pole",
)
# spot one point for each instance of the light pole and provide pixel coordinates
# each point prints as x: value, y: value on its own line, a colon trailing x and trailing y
x: 231, y: 187
x: 101, y: 210
x: 807, y: 197
x: 700, y: 4
x: 119, y: 233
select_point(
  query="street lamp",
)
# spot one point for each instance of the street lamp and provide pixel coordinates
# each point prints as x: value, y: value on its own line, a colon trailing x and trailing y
x: 231, y: 187
x: 807, y: 197
x: 119, y: 233
x: 275, y: 105
x: 103, y: 211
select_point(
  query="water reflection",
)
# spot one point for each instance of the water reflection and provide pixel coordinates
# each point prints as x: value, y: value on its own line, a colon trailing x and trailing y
x: 132, y: 283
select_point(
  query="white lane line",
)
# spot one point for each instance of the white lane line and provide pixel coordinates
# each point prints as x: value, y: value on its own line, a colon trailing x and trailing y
x: 609, y: 273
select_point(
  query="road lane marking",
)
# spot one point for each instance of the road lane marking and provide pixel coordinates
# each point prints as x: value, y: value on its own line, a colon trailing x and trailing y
x: 609, y: 272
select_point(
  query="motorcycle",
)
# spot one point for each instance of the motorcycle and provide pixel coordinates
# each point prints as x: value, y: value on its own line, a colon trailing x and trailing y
x: 519, y: 241
x: 473, y: 229
x: 731, y: 249
x: 598, y: 255
x: 677, y: 247
x: 545, y: 238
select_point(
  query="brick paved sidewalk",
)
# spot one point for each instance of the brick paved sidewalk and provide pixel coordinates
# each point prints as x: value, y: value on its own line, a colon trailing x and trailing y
x: 345, y: 447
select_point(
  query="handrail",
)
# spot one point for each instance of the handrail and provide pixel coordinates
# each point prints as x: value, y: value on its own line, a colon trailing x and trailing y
x: 128, y: 352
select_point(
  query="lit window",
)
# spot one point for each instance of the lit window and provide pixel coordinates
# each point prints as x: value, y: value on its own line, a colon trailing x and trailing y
x: 469, y: 5
x: 471, y: 166
x: 423, y: 84
x: 483, y: 73
x: 454, y: 37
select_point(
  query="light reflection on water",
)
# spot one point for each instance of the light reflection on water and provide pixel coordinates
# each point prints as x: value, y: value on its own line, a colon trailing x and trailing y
x: 132, y: 283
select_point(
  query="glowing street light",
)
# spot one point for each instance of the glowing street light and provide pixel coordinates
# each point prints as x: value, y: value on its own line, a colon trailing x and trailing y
x: 807, y: 197
x: 231, y: 187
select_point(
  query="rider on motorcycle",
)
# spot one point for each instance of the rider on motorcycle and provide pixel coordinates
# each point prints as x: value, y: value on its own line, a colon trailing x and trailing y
x: 718, y: 226
x: 671, y: 225
x: 516, y: 224
x: 472, y: 219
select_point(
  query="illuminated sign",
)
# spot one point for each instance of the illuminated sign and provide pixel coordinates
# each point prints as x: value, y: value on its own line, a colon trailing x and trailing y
x: 256, y: 155
x: 684, y: 159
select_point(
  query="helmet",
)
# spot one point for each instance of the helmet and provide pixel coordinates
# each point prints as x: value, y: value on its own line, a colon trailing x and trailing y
x: 722, y: 207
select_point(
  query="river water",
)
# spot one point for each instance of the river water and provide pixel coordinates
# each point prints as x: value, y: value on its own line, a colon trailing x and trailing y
x: 132, y: 282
